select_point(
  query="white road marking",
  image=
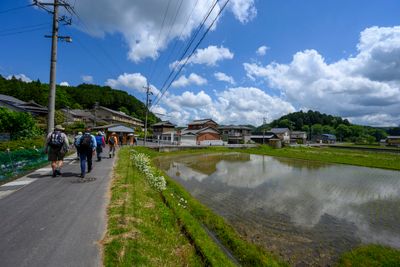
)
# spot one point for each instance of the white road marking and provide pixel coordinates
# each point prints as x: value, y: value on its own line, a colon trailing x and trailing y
x: 19, y: 182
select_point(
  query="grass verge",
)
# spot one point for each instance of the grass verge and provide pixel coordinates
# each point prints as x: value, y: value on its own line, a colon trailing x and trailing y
x: 372, y: 256
x: 142, y: 230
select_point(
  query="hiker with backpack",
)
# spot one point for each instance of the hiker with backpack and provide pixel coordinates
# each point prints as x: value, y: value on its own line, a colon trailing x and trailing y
x: 112, y: 143
x: 56, y: 147
x: 86, y: 147
x: 100, y: 144
x: 76, y: 143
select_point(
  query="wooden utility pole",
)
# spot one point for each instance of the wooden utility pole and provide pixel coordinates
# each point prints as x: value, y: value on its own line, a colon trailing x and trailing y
x: 53, y: 61
x: 148, y: 93
x: 53, y: 58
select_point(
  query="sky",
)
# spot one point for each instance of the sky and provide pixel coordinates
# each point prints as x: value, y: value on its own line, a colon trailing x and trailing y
x: 261, y: 59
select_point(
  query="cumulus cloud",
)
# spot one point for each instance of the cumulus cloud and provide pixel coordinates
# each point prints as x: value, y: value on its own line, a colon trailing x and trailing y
x: 220, y: 76
x: 244, y: 10
x: 240, y: 105
x: 64, y: 83
x: 262, y: 50
x: 133, y: 81
x: 364, y: 88
x: 21, y: 77
x: 192, y: 79
x: 143, y: 25
x: 208, y: 56
x: 87, y: 78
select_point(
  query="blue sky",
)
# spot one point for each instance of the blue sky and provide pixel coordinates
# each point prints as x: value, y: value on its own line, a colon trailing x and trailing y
x: 262, y: 59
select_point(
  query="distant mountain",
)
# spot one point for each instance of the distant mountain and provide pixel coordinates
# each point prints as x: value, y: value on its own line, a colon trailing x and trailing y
x: 83, y: 96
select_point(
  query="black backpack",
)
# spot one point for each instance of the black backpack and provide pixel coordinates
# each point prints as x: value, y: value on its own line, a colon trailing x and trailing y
x: 86, y: 141
x: 111, y: 141
x: 56, y: 139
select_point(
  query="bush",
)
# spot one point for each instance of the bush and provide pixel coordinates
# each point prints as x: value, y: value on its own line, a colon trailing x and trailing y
x: 20, y: 125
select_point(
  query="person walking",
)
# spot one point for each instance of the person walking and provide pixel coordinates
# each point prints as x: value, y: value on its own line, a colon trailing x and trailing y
x: 76, y: 143
x: 87, y: 147
x: 101, y: 143
x: 56, y: 147
x: 112, y: 143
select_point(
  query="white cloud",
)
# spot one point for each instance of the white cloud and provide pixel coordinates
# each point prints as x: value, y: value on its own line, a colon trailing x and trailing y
x: 21, y: 77
x: 220, y: 76
x: 133, y: 81
x: 244, y: 10
x: 208, y: 56
x: 192, y: 79
x: 262, y: 50
x: 241, y: 105
x: 142, y: 23
x: 64, y: 83
x: 87, y: 78
x: 364, y: 88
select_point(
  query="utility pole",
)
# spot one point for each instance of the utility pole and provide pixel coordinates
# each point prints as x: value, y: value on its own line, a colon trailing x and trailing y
x: 53, y: 58
x: 148, y: 93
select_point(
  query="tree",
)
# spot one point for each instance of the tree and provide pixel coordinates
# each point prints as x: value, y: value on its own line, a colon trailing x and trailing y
x: 316, y: 129
x: 20, y: 125
x: 328, y: 129
x: 285, y: 123
x: 342, y: 131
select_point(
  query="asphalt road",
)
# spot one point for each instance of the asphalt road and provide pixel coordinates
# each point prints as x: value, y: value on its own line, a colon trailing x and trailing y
x: 47, y: 221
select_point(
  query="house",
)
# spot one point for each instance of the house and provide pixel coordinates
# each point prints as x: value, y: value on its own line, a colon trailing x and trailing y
x: 298, y: 137
x: 328, y: 138
x: 113, y: 116
x: 18, y: 105
x: 393, y: 141
x: 201, y: 132
x: 125, y: 134
x: 282, y: 133
x: 165, y: 131
x: 199, y: 124
x: 79, y: 115
x: 235, y: 134
x: 264, y: 138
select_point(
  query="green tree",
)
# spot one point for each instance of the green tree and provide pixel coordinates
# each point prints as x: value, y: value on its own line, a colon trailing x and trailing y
x: 328, y: 129
x: 342, y: 131
x: 316, y: 129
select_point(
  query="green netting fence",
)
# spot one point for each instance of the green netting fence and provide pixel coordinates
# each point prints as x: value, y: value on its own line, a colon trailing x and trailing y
x: 17, y: 162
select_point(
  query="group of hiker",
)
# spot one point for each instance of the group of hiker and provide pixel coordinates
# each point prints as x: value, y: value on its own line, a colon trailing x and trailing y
x: 86, y: 144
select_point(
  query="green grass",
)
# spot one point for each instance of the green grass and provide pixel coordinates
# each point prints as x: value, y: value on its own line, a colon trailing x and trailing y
x: 142, y: 230
x: 37, y: 142
x: 371, y: 256
x: 333, y: 155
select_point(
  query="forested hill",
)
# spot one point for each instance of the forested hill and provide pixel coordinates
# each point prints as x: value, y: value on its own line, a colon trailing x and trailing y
x: 82, y: 96
x: 315, y: 123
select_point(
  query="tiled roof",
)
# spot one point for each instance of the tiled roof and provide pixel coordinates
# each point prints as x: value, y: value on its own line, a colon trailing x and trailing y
x: 279, y: 130
x: 119, y: 113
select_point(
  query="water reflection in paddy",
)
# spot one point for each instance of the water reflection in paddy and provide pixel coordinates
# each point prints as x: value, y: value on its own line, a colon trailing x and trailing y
x: 307, y: 212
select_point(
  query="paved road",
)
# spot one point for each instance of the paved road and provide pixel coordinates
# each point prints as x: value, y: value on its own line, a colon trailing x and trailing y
x: 59, y: 221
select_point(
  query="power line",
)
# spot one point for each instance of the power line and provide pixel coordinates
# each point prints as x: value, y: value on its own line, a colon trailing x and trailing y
x: 14, y: 9
x: 86, y: 27
x: 24, y: 31
x: 24, y: 27
x: 159, y: 37
x: 180, y: 36
x: 187, y: 49
x: 194, y: 49
x: 169, y: 32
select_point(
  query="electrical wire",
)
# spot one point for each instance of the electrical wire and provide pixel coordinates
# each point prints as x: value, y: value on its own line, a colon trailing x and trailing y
x: 194, y: 49
x: 24, y: 27
x: 14, y: 9
x: 187, y: 47
x: 24, y: 31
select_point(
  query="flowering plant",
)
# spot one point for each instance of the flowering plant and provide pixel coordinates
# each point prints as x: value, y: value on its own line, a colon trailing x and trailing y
x: 142, y: 163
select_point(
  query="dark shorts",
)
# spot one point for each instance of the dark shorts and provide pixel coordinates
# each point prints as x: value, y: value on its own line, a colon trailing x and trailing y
x: 55, y: 154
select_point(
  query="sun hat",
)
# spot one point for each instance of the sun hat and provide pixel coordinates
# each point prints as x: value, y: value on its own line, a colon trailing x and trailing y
x: 59, y: 127
x: 80, y: 133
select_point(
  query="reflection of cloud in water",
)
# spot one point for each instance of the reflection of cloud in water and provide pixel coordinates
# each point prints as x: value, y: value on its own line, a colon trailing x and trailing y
x: 305, y: 194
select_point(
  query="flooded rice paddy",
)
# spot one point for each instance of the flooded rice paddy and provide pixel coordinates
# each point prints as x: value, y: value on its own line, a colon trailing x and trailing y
x: 306, y: 212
